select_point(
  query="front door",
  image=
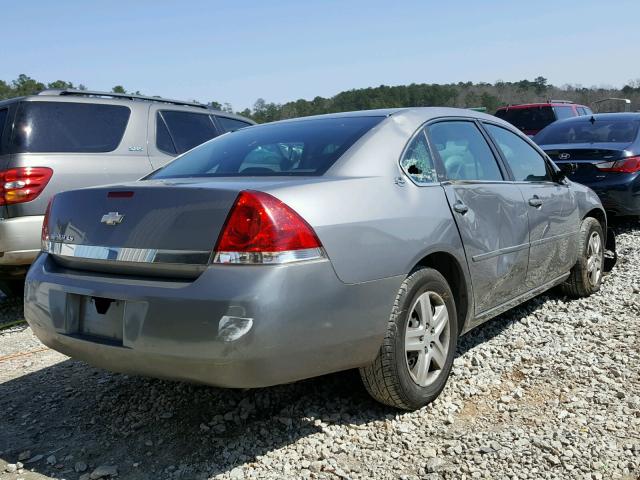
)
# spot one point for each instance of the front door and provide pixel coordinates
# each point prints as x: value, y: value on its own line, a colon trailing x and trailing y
x: 490, y: 212
x: 552, y: 209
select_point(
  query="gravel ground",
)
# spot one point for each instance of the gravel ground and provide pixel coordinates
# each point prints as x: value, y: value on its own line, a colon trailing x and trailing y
x: 549, y: 390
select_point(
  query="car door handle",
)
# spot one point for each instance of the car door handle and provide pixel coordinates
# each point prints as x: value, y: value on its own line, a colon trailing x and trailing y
x: 535, y: 201
x: 460, y: 207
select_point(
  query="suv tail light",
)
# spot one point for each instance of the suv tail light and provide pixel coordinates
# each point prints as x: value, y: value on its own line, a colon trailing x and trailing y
x: 628, y: 165
x: 19, y: 185
x: 44, y: 237
x: 260, y: 229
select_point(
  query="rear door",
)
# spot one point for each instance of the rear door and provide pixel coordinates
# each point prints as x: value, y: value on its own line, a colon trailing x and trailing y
x: 552, y: 208
x: 173, y: 131
x: 489, y: 211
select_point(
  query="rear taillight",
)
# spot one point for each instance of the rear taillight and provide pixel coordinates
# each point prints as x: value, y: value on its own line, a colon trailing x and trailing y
x: 19, y: 185
x: 628, y: 165
x: 44, y: 237
x: 260, y: 229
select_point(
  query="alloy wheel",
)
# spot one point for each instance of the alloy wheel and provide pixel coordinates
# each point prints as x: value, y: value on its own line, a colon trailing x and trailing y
x: 427, y: 337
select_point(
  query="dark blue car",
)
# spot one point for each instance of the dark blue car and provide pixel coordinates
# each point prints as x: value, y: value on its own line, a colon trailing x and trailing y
x: 600, y: 151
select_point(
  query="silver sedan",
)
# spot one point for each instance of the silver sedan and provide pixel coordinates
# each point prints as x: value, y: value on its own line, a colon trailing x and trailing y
x: 278, y: 252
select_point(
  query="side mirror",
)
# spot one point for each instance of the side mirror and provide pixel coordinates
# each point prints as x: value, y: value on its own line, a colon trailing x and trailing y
x: 565, y: 170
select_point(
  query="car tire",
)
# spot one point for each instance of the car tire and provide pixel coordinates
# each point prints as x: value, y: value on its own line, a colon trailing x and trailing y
x: 586, y: 275
x: 411, y: 369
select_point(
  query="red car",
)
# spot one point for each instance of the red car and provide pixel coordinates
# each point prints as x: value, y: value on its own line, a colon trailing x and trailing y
x: 533, y: 117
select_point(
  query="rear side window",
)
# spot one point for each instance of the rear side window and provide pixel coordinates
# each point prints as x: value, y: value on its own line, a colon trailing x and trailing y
x: 186, y: 130
x: 69, y: 127
x: 417, y: 161
x: 563, y: 112
x: 583, y: 130
x: 464, y: 151
x: 231, y: 124
x: 533, y: 118
x: 525, y: 162
x: 300, y: 147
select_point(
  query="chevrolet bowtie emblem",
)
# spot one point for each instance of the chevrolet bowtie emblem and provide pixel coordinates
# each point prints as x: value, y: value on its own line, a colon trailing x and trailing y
x: 112, y: 218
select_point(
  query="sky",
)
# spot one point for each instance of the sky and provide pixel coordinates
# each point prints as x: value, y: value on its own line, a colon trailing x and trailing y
x: 282, y: 50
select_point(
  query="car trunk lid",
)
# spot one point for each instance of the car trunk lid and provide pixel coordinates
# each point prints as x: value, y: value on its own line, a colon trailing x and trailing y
x: 127, y: 229
x: 586, y: 156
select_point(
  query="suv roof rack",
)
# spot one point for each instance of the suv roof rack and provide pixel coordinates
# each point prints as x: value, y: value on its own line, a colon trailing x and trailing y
x: 560, y: 101
x: 130, y: 96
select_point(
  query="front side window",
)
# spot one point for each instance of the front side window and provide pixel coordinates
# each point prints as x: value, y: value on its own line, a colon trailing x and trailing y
x: 300, y: 147
x: 417, y: 161
x: 231, y: 124
x: 464, y: 151
x: 188, y: 129
x: 69, y: 127
x: 525, y: 162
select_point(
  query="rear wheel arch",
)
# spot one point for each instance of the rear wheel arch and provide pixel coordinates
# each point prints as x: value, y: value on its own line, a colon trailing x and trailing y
x: 451, y: 269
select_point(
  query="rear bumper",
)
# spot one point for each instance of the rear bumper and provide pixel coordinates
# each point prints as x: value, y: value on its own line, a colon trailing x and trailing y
x: 234, y: 326
x: 619, y: 194
x: 20, y: 240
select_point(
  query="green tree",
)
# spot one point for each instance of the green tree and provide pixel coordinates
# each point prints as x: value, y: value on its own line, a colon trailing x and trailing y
x: 118, y: 89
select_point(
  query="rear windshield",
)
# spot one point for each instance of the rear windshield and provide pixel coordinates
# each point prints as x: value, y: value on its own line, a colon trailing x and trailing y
x: 69, y: 127
x: 534, y: 118
x: 583, y: 130
x: 304, y: 147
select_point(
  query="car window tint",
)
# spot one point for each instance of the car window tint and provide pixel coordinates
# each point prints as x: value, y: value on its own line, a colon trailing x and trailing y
x: 187, y: 129
x: 464, y: 151
x: 525, y: 162
x: 529, y: 118
x: 299, y: 147
x: 69, y: 127
x: 3, y: 119
x: 231, y: 124
x: 563, y: 112
x: 417, y: 161
x: 163, y: 138
x: 584, y: 130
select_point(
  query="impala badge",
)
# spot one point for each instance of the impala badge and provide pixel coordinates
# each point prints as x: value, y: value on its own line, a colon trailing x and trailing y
x: 112, y: 218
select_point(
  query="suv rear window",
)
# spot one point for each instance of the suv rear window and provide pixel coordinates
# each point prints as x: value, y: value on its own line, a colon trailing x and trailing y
x: 69, y: 127
x: 3, y: 119
x: 583, y: 130
x: 186, y: 130
x: 534, y: 118
x: 301, y: 147
x: 563, y: 112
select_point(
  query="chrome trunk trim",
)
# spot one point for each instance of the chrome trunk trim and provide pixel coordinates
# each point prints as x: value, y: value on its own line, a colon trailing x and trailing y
x: 128, y: 255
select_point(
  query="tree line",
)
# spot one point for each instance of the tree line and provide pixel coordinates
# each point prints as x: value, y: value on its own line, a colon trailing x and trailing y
x: 461, y: 94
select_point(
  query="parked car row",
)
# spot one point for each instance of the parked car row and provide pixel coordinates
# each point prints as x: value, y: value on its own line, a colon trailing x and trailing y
x: 65, y: 139
x: 282, y: 251
x: 601, y: 151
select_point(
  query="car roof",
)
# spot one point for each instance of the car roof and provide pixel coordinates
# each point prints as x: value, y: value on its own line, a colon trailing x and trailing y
x: 617, y: 117
x: 89, y: 96
x: 541, y: 104
x: 421, y: 113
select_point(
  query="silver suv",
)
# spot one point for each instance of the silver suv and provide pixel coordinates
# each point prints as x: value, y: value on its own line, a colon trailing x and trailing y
x: 66, y: 139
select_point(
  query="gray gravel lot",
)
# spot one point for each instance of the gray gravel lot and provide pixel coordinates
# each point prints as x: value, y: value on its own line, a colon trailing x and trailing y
x: 549, y: 390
